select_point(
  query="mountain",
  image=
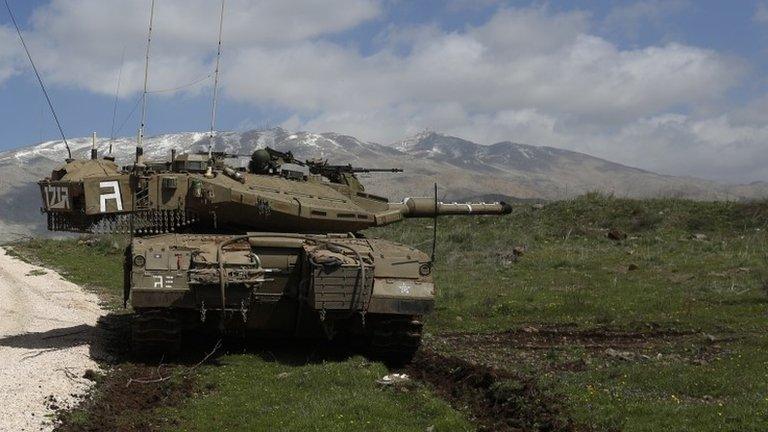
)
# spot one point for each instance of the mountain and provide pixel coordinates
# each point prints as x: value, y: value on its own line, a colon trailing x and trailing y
x: 463, y: 169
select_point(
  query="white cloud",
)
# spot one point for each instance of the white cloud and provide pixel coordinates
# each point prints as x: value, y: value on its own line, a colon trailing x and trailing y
x: 10, y: 53
x: 80, y: 42
x: 761, y: 13
x: 488, y: 69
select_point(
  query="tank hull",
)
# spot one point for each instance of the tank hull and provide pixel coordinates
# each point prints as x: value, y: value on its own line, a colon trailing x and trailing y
x: 279, y: 285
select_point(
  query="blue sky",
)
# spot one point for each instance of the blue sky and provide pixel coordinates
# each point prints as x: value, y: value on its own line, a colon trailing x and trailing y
x: 675, y: 86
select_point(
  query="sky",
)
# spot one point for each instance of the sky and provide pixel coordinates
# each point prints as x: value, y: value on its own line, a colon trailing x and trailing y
x: 672, y: 86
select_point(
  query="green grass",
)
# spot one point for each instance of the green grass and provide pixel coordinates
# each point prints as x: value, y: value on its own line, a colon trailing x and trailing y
x: 572, y: 273
x: 697, y: 267
x: 251, y: 393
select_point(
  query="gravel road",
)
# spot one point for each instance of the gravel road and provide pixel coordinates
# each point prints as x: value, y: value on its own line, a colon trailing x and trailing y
x: 46, y: 326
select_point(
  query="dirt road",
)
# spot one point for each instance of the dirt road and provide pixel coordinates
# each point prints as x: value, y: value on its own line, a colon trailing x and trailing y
x: 46, y: 325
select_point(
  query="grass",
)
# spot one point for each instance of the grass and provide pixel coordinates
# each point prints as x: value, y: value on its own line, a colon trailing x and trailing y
x: 572, y: 273
x: 698, y: 269
x: 252, y: 393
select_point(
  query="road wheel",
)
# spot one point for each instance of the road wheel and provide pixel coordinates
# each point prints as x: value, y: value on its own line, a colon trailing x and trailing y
x: 394, y: 340
x: 156, y: 334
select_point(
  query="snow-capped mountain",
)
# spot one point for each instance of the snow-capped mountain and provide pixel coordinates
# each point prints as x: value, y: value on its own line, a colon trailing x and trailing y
x: 462, y: 168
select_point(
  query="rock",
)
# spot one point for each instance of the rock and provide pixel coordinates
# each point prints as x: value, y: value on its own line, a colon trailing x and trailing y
x: 519, y: 251
x: 537, y: 206
x: 622, y: 355
x: 282, y: 375
x: 530, y: 329
x: 616, y: 234
x: 393, y: 379
x: 700, y: 237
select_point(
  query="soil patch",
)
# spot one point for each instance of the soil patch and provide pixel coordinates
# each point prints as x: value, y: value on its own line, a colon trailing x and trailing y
x: 497, y: 400
x: 555, y: 349
x: 547, y: 337
x: 118, y: 403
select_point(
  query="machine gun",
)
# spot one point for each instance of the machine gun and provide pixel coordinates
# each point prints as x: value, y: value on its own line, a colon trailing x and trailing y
x: 342, y: 174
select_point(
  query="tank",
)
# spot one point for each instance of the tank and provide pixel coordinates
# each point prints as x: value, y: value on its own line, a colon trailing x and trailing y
x: 276, y: 248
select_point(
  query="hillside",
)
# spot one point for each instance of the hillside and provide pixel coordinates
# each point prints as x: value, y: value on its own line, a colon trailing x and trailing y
x: 462, y: 168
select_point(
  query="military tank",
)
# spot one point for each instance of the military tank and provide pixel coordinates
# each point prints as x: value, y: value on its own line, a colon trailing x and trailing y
x: 276, y: 247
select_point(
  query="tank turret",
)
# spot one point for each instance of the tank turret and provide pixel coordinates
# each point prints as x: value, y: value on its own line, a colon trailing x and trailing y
x: 276, y: 193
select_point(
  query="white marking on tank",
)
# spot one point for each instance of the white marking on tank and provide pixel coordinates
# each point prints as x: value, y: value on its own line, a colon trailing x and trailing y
x: 57, y: 197
x: 404, y: 288
x: 114, y: 195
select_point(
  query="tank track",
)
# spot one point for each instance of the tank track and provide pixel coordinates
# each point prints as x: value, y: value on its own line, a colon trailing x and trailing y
x: 156, y: 333
x: 394, y: 340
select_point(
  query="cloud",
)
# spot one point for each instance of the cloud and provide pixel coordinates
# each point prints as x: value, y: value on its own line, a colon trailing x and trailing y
x: 463, y: 5
x: 10, y: 53
x: 761, y: 14
x: 520, y: 59
x: 633, y: 18
x: 80, y: 42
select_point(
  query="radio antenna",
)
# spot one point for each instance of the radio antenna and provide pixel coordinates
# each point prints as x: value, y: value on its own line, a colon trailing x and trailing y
x: 434, y: 229
x: 140, y: 142
x: 117, y: 96
x: 39, y: 79
x: 216, y: 84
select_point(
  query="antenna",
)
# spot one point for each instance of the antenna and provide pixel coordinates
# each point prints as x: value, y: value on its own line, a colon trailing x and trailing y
x: 216, y: 83
x: 94, y: 153
x: 39, y: 79
x: 434, y: 229
x: 117, y: 95
x: 140, y: 142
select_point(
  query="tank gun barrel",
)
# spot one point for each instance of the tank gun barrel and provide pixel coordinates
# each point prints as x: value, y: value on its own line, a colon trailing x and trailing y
x: 372, y: 170
x: 427, y: 208
x: 325, y: 169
